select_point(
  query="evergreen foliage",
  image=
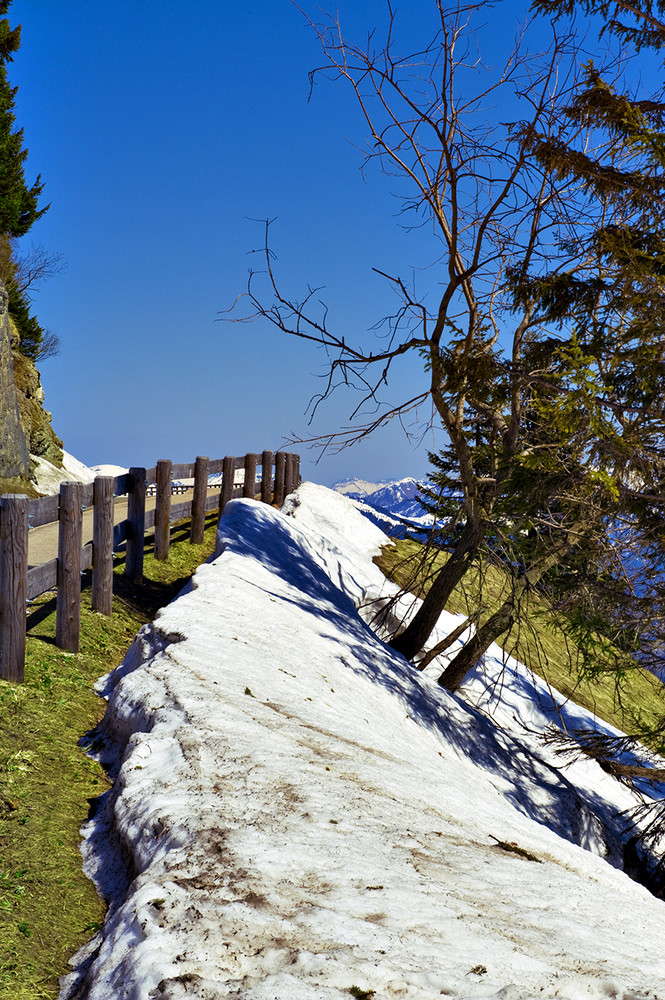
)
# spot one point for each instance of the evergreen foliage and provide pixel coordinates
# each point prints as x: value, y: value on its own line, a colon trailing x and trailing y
x: 647, y: 30
x: 19, y: 207
x: 31, y: 333
x: 588, y: 442
x: 18, y: 202
x: 540, y: 335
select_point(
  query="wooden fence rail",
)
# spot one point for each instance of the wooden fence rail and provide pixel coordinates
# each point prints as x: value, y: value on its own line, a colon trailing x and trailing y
x: 20, y: 584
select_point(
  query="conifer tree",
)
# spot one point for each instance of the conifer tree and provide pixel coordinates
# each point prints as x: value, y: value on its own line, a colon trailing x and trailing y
x: 616, y: 314
x: 605, y: 320
x: 18, y: 201
x: 19, y: 207
x: 541, y: 353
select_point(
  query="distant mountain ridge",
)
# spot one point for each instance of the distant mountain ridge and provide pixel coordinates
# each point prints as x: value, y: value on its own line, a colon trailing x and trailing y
x: 393, y: 505
x: 360, y: 487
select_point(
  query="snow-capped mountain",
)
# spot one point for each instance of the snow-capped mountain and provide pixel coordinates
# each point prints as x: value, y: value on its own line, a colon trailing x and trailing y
x: 393, y: 505
x: 358, y: 488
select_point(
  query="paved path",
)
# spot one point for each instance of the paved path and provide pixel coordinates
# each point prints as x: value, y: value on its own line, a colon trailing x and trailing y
x: 43, y: 541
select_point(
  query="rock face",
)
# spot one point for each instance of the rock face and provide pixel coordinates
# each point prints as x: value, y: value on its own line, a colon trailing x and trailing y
x: 14, y: 458
x: 35, y: 420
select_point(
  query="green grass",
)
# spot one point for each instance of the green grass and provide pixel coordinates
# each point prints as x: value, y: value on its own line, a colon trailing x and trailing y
x: 635, y: 704
x: 48, y: 909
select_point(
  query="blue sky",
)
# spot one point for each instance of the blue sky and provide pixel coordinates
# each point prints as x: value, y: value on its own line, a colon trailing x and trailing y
x: 161, y: 130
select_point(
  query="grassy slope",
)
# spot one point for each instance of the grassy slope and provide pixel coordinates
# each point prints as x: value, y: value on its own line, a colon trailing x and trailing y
x: 639, y: 700
x: 48, y: 909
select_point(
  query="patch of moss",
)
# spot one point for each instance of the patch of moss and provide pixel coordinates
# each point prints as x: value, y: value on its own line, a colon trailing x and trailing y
x: 18, y: 484
x: 48, y: 909
x: 35, y: 420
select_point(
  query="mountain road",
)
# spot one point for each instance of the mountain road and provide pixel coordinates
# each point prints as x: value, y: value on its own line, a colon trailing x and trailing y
x: 43, y: 541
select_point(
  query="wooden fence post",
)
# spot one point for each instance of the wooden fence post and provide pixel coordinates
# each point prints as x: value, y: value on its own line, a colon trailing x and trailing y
x: 289, y: 475
x: 199, y: 499
x: 68, y: 599
x: 296, y: 472
x: 13, y: 585
x: 135, y: 525
x: 249, y: 483
x: 266, y: 476
x: 102, y: 545
x: 163, y: 510
x: 228, y: 479
x: 280, y: 472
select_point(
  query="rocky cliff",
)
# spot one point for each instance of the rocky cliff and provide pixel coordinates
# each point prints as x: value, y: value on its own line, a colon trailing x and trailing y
x: 25, y: 426
x: 14, y: 458
x: 42, y: 440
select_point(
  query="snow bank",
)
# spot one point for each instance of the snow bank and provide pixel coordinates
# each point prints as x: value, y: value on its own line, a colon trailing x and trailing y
x: 47, y: 477
x: 108, y: 470
x: 297, y: 811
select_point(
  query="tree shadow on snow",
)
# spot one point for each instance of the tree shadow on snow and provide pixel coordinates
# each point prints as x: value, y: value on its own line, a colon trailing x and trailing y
x: 534, y: 787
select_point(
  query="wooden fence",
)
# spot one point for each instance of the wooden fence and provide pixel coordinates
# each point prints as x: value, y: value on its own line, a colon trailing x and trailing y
x: 20, y: 584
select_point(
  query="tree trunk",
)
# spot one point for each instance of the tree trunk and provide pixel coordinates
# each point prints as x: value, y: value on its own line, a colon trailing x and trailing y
x: 452, y: 637
x: 468, y: 656
x: 503, y: 619
x: 415, y: 635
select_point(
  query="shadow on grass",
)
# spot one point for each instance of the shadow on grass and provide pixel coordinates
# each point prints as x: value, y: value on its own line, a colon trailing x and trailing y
x: 148, y: 597
x: 162, y: 581
x: 145, y: 599
x: 39, y: 614
x: 159, y: 587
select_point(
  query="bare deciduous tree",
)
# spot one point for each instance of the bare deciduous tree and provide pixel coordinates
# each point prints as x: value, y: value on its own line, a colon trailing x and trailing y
x: 500, y: 162
x: 33, y: 267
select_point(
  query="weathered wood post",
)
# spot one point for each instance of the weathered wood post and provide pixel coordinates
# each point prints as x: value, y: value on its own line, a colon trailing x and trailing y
x: 135, y: 525
x: 280, y: 472
x: 199, y: 499
x: 228, y: 479
x: 13, y: 585
x: 163, y: 510
x: 266, y: 476
x: 289, y: 474
x: 68, y: 599
x: 102, y: 545
x: 296, y: 465
x: 249, y: 483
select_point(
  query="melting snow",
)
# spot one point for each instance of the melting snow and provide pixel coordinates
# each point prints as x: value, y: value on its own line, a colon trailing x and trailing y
x: 298, y: 811
x: 47, y: 477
